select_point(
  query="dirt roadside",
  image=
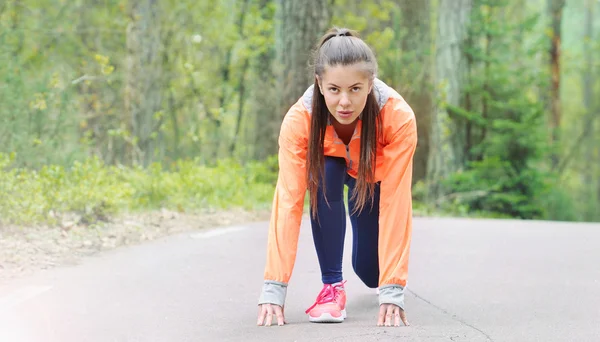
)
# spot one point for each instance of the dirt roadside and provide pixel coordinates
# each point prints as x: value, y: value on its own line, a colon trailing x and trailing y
x: 25, y: 250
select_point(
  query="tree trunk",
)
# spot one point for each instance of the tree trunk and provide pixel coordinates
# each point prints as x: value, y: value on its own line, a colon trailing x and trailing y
x: 241, y: 102
x: 143, y: 86
x: 263, y: 96
x: 588, y: 102
x: 91, y: 126
x: 265, y: 99
x: 299, y: 24
x: 556, y: 9
x: 415, y: 21
x: 445, y: 153
x: 242, y: 81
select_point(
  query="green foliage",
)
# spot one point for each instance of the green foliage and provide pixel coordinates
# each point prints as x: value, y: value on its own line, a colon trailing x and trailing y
x: 383, y: 25
x: 64, y: 68
x: 63, y: 89
x: 94, y: 191
x: 503, y: 124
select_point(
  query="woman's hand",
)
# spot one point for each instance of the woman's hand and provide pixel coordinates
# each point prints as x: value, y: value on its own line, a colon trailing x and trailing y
x: 389, y: 313
x: 266, y: 311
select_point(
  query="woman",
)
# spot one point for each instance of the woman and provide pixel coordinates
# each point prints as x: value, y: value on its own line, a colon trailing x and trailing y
x: 349, y: 128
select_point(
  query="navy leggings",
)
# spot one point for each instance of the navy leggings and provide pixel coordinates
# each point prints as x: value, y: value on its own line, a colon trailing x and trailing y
x: 330, y: 229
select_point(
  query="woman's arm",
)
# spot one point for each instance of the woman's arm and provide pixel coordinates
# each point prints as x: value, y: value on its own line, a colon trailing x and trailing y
x: 288, y: 205
x: 395, y: 220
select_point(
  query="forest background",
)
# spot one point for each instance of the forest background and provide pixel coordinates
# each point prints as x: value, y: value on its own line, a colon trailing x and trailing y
x: 113, y: 106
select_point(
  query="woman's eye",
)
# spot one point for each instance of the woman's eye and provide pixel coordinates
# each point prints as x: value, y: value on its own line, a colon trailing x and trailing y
x: 333, y: 90
x: 356, y: 89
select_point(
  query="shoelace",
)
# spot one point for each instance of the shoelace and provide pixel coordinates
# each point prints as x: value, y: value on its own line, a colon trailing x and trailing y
x: 327, y: 295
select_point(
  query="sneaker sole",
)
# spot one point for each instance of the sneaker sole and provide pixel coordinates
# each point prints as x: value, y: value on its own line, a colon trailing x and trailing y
x: 327, y: 318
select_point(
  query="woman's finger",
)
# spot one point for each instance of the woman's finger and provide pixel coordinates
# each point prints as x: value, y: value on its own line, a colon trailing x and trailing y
x: 279, y: 313
x: 261, y: 314
x: 269, y: 315
x: 397, y: 316
x: 381, y: 317
x: 389, y: 314
x: 403, y: 317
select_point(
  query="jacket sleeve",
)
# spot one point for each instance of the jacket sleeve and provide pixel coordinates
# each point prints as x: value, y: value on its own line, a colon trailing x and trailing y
x: 395, y: 220
x: 287, y: 207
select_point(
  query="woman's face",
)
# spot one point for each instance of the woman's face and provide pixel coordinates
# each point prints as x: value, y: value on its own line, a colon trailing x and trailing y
x: 345, y: 89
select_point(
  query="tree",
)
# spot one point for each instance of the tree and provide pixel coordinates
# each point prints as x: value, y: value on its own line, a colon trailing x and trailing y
x: 299, y: 24
x: 264, y: 96
x: 555, y: 8
x: 504, y: 154
x: 413, y: 78
x: 445, y: 155
x: 143, y: 87
x: 588, y: 102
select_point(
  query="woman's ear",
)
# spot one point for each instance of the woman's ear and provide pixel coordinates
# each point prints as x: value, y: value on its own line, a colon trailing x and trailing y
x: 319, y: 83
x: 370, y: 86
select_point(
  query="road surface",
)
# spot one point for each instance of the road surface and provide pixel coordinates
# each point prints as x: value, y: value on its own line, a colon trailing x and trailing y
x: 470, y: 280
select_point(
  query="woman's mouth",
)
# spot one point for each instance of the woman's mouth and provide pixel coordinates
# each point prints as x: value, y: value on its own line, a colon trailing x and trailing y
x: 345, y: 113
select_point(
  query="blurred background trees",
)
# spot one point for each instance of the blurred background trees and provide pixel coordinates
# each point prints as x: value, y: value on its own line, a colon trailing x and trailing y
x: 504, y: 90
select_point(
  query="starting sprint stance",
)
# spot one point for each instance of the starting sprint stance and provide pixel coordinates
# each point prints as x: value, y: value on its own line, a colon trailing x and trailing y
x: 348, y: 129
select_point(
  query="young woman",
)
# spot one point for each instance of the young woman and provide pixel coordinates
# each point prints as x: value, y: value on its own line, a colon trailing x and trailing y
x: 349, y: 128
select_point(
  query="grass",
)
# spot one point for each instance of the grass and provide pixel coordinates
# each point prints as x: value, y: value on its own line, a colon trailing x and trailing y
x: 94, y: 191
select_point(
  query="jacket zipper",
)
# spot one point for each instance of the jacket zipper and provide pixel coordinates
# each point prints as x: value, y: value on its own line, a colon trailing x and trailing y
x: 336, y: 137
x: 348, y: 155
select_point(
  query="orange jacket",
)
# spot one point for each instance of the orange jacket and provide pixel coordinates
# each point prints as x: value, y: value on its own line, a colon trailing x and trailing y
x: 394, y: 170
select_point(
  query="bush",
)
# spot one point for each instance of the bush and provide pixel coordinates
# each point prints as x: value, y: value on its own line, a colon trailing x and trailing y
x: 94, y: 191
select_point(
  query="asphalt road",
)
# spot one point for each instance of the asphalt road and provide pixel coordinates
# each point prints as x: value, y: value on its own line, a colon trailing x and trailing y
x: 470, y: 280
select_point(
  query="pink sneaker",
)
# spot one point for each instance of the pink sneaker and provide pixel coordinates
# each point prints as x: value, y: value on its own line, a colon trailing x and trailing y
x: 330, y: 306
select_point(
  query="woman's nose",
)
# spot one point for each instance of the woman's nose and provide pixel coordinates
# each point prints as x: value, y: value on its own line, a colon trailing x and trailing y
x: 344, y: 100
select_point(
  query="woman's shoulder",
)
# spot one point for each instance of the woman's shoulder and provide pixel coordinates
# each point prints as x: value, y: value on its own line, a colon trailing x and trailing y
x: 296, y: 122
x: 391, y: 102
x: 394, y: 108
x: 395, y: 112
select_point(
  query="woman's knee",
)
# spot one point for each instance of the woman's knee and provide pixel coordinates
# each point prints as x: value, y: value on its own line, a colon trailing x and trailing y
x: 368, y: 274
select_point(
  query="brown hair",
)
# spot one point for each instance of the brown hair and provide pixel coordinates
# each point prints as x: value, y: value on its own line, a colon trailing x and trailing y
x: 343, y: 47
